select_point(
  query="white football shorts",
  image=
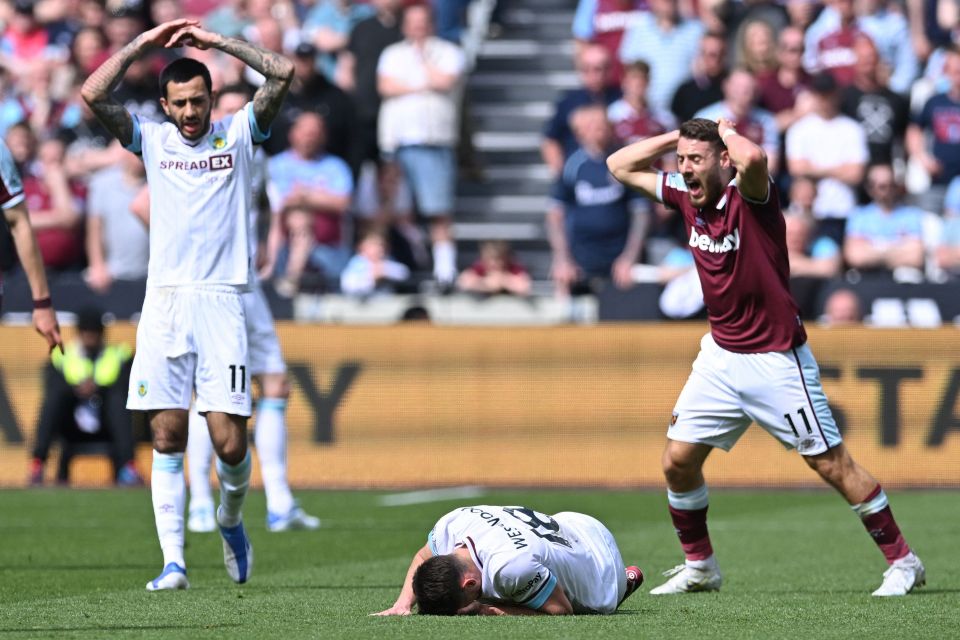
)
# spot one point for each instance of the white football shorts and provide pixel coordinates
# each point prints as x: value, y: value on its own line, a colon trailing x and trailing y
x: 262, y: 342
x: 603, y: 578
x: 780, y: 391
x: 191, y: 338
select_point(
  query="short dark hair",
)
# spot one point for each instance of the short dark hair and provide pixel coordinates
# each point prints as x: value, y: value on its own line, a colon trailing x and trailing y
x: 702, y: 129
x: 638, y: 66
x: 184, y: 70
x: 436, y: 583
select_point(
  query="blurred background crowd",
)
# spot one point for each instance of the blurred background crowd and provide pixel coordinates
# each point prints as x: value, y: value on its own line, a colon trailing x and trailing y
x: 401, y: 161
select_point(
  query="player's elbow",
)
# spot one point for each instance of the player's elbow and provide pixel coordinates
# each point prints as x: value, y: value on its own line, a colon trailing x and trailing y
x: 617, y: 168
x: 89, y: 93
x: 755, y: 159
x: 558, y: 608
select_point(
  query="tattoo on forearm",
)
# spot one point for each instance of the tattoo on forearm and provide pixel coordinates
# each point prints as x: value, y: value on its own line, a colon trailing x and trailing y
x: 277, y: 69
x: 98, y: 88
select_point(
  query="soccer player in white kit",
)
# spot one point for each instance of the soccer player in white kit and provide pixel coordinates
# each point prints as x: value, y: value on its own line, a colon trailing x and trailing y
x: 267, y: 368
x: 488, y: 560
x: 192, y: 332
x: 754, y: 365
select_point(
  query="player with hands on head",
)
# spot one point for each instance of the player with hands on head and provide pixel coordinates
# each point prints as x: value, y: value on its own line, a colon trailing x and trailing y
x: 488, y: 560
x: 754, y: 365
x: 192, y: 333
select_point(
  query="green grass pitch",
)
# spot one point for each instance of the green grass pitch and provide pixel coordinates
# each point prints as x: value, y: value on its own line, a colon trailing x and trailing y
x: 73, y: 564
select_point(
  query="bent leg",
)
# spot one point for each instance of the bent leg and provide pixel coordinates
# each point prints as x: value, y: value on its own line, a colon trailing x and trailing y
x: 865, y: 496
x: 229, y: 435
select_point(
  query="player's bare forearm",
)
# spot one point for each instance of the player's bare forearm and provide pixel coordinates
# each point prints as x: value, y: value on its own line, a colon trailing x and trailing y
x: 406, y: 599
x: 28, y: 251
x: 276, y: 68
x: 749, y: 159
x: 633, y: 165
x: 97, y: 89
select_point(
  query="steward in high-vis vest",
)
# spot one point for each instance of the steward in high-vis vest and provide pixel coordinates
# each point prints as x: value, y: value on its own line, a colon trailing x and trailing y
x: 85, y: 397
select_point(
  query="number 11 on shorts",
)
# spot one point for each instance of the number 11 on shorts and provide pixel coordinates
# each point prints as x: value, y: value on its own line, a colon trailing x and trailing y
x: 233, y: 378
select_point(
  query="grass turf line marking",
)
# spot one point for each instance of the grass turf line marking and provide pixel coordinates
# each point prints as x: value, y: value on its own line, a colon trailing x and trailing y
x: 429, y: 495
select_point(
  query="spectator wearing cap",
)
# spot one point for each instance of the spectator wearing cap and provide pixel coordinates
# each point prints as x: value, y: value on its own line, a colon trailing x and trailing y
x: 312, y: 91
x: 837, y: 167
x: 85, y: 392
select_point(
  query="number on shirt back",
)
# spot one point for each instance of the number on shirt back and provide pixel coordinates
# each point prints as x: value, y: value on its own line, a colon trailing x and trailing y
x: 542, y: 525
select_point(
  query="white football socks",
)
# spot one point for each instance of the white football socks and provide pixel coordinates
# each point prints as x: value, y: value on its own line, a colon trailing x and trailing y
x: 234, y: 482
x: 270, y: 438
x: 168, y: 490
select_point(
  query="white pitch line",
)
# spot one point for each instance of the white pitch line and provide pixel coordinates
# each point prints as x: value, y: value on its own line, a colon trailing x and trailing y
x: 430, y: 495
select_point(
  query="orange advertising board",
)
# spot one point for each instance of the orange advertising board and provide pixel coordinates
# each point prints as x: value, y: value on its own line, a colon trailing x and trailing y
x: 413, y: 406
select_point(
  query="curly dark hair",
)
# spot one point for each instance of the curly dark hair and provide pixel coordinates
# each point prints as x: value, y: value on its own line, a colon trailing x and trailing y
x: 436, y: 583
x: 702, y: 129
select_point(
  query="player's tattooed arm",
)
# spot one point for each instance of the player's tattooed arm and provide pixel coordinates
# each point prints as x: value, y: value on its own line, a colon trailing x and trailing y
x: 97, y: 89
x: 276, y: 68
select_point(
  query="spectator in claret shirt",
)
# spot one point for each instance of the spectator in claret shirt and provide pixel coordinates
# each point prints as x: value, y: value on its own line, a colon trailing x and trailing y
x: 55, y: 203
x: 779, y: 89
x: 496, y: 271
x: 631, y: 116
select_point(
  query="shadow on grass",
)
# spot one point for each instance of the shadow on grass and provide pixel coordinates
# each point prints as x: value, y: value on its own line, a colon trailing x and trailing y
x: 158, y: 627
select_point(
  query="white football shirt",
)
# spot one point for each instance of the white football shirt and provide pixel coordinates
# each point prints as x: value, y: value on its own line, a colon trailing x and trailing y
x: 200, y: 200
x: 523, y: 555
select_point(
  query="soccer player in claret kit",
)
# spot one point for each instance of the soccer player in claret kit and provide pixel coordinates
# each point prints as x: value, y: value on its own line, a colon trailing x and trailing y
x: 754, y: 365
x: 192, y: 333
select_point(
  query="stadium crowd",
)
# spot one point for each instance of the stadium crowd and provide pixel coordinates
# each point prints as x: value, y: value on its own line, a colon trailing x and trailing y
x: 856, y: 102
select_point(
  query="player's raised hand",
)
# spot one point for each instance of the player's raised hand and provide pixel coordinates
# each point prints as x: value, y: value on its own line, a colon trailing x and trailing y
x: 192, y: 36
x: 160, y: 35
x: 45, y: 322
x: 724, y: 125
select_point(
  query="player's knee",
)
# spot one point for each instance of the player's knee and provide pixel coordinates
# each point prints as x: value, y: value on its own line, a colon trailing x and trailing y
x: 169, y: 441
x: 233, y: 451
x: 677, y: 469
x: 831, y: 466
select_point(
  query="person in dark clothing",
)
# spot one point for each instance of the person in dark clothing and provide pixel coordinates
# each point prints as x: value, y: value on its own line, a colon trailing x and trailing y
x: 86, y: 392
x: 705, y: 86
x: 311, y: 91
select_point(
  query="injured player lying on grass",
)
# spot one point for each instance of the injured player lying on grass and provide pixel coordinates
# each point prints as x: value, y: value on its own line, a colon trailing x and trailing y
x: 486, y: 560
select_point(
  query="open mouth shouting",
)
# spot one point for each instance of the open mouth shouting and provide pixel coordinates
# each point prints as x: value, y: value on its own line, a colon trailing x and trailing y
x: 694, y: 187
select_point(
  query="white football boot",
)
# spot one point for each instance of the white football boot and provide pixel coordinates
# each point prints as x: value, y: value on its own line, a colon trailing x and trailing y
x: 296, y: 519
x: 237, y: 552
x: 173, y: 577
x: 687, y: 579
x: 902, y: 576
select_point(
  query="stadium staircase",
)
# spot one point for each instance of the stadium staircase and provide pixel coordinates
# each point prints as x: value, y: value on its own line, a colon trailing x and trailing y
x: 516, y: 78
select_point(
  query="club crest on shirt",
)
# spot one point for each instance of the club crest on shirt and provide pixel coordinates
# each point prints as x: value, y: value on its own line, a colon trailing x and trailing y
x: 142, y: 388
x: 217, y: 141
x: 673, y: 418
